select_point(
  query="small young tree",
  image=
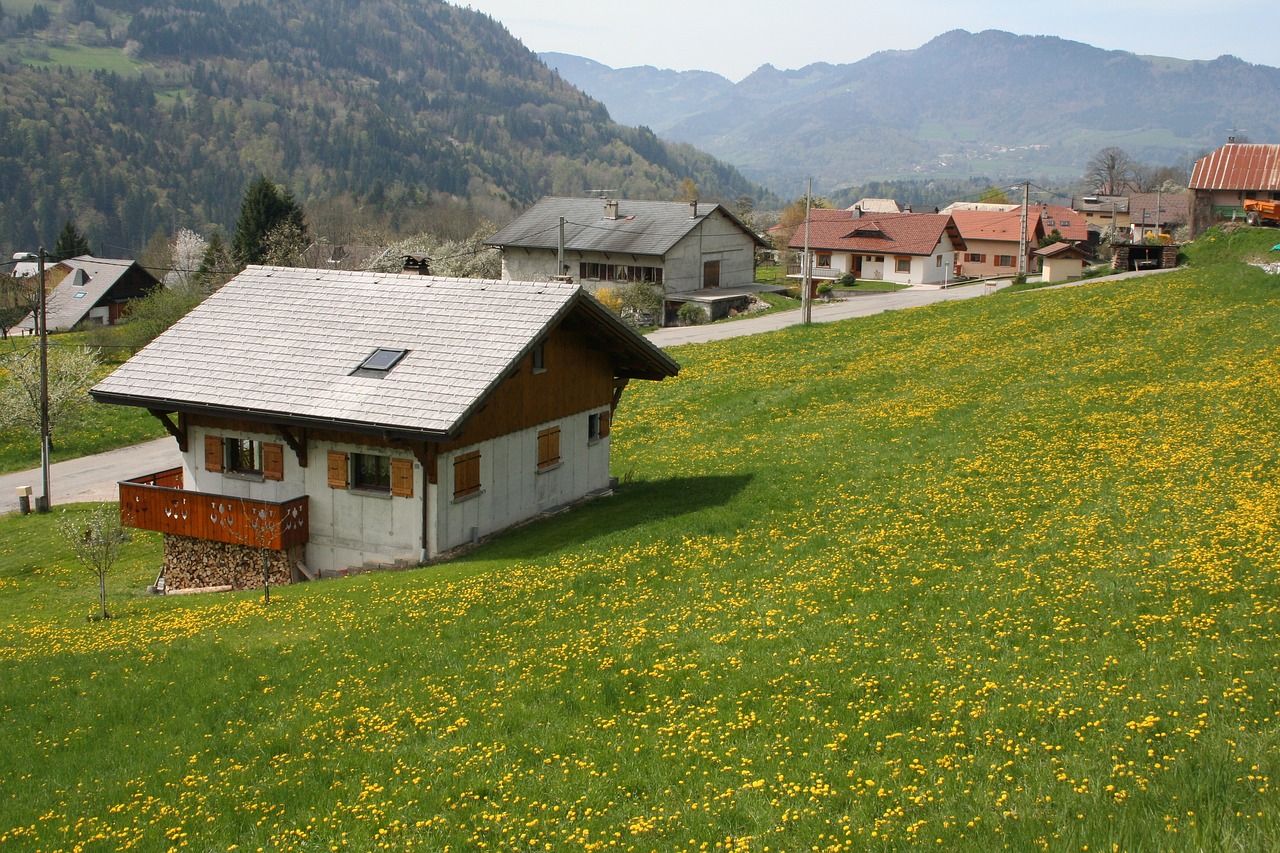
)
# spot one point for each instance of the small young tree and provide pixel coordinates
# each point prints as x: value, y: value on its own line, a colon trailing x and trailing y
x: 95, y: 539
x: 18, y: 298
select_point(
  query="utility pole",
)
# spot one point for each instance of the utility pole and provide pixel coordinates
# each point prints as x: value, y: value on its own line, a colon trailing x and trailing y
x: 43, y: 503
x: 1022, y: 239
x: 806, y: 303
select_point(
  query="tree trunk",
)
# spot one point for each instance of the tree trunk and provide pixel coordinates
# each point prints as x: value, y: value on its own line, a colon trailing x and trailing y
x: 102, y: 594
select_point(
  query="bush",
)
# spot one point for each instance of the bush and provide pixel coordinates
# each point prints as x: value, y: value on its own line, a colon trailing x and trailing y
x: 691, y: 314
x: 848, y: 280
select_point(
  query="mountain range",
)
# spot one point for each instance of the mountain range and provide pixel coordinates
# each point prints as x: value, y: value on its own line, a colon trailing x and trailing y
x: 132, y: 116
x: 964, y: 104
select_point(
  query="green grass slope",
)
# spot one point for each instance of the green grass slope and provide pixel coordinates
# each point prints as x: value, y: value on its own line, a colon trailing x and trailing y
x: 998, y: 574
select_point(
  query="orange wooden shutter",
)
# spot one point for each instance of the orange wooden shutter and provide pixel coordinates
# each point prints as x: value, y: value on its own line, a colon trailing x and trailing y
x: 605, y: 417
x: 273, y: 461
x: 402, y: 478
x: 213, y: 453
x: 337, y: 470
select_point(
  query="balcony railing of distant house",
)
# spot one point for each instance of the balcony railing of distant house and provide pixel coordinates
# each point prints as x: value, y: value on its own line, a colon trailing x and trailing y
x: 158, y: 502
x: 818, y: 273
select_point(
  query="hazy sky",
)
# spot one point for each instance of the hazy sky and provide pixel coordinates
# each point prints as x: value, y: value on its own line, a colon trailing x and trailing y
x: 734, y: 37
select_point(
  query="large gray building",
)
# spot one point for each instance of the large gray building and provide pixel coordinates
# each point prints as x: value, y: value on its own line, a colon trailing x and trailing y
x: 683, y: 247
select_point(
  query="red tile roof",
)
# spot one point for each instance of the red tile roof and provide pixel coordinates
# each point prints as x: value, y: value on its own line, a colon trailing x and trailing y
x: 881, y: 233
x: 1071, y: 225
x: 1239, y: 167
x: 1003, y: 225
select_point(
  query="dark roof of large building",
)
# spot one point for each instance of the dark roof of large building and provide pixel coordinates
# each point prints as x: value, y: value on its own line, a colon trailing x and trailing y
x: 599, y: 225
x: 287, y: 345
x: 1168, y: 208
x: 1239, y: 166
x: 882, y: 233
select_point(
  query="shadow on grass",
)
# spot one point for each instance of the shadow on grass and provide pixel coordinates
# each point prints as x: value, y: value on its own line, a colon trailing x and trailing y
x: 633, y: 505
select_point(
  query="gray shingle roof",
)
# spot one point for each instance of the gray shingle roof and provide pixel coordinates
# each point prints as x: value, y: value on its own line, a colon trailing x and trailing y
x: 90, y: 276
x: 641, y: 227
x: 282, y: 343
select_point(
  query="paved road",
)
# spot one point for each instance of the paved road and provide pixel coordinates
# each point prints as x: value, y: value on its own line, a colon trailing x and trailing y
x: 94, y: 478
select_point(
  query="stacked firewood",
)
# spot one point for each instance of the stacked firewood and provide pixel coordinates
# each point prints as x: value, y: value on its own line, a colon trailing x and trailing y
x: 199, y: 563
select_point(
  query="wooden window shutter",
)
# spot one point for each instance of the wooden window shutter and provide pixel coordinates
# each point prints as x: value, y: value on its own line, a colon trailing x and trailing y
x: 337, y: 470
x: 213, y: 453
x: 605, y: 417
x: 549, y: 447
x: 273, y: 461
x: 402, y: 478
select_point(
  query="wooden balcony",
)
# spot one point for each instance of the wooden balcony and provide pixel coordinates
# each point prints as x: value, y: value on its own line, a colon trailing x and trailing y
x: 158, y: 502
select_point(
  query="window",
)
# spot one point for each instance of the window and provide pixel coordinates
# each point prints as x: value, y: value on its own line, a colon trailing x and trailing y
x: 880, y: 259
x: 548, y: 448
x: 382, y: 359
x: 824, y: 259
x: 597, y: 427
x: 975, y: 258
x: 466, y: 475
x: 371, y: 472
x: 539, y: 359
x: 242, y: 456
x: 1004, y: 260
x: 939, y: 261
x: 619, y: 272
x: 902, y: 264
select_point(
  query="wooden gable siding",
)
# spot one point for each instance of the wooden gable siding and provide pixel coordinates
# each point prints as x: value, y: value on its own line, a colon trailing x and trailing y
x: 577, y: 378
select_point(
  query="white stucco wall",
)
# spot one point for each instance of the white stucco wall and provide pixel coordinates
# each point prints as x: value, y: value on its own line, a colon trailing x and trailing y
x: 511, y: 487
x: 348, y: 527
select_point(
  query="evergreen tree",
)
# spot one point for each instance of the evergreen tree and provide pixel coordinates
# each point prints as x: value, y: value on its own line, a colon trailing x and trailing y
x: 265, y: 208
x: 216, y: 265
x: 71, y: 243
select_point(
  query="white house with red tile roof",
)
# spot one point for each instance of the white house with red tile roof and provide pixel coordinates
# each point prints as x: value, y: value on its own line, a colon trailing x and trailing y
x: 1223, y: 180
x: 906, y: 248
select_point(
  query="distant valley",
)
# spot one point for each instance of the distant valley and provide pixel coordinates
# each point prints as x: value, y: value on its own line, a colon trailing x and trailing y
x: 963, y: 105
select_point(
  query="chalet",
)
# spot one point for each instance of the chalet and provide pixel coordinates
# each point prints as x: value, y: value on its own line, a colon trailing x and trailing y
x: 690, y: 252
x: 908, y: 248
x: 993, y: 241
x: 345, y: 419
x: 1223, y: 180
x: 94, y: 290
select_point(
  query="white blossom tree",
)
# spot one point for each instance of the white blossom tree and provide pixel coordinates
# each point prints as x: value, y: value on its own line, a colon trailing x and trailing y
x: 71, y: 373
x: 188, y: 251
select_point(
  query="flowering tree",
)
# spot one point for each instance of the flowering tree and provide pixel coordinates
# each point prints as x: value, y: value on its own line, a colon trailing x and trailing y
x: 71, y: 373
x: 188, y: 251
x: 95, y: 539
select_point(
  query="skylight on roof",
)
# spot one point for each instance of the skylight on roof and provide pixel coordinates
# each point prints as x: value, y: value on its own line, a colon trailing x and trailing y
x: 382, y: 359
x: 80, y: 295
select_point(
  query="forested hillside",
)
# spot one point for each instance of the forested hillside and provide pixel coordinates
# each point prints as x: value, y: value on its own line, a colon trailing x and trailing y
x: 132, y: 115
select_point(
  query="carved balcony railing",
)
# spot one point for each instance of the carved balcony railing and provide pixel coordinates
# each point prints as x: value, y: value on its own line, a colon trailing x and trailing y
x: 158, y: 502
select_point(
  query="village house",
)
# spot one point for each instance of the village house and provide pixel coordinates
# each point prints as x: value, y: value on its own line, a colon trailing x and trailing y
x: 993, y: 241
x: 907, y: 248
x: 1103, y: 211
x: 1153, y: 214
x: 688, y: 252
x: 1224, y: 179
x: 342, y: 420
x: 92, y: 290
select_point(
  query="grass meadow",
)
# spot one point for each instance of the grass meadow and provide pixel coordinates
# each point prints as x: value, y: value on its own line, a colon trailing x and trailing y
x: 997, y: 574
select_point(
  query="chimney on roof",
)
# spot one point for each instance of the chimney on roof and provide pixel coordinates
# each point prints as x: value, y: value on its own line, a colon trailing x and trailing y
x: 611, y: 210
x: 1230, y: 139
x: 693, y: 209
x: 857, y: 211
x: 421, y: 264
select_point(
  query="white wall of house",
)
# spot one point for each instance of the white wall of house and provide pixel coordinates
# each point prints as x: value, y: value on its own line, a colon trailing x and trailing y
x: 512, y: 489
x: 348, y: 527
